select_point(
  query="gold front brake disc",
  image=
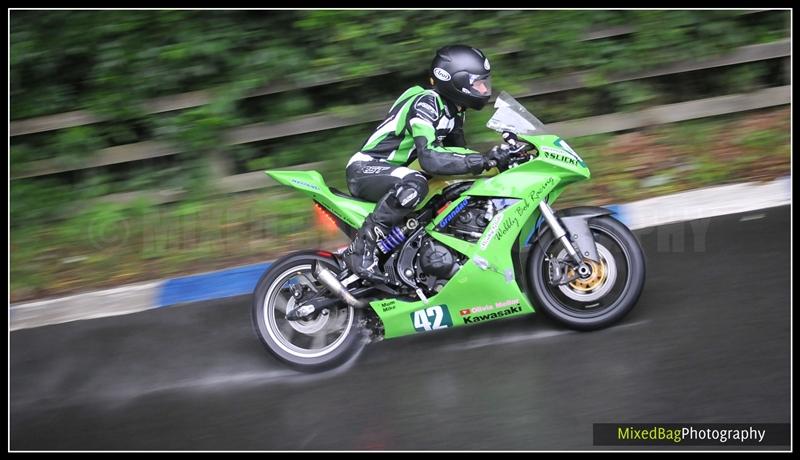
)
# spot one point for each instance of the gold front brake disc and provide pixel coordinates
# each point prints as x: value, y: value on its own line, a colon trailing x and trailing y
x: 594, y: 280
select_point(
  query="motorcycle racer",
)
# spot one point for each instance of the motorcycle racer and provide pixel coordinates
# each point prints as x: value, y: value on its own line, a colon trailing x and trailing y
x: 423, y: 124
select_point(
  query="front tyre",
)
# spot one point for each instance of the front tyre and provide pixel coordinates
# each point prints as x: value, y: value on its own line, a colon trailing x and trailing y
x: 601, y: 298
x: 323, y: 342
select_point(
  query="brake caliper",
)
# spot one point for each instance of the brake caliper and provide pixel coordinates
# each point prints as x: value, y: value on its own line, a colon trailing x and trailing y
x: 561, y: 271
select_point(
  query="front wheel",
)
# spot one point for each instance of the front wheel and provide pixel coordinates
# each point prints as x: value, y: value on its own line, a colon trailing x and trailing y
x: 600, y: 298
x: 318, y: 343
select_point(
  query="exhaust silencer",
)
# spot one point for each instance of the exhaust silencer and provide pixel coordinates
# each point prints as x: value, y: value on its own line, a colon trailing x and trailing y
x: 331, y: 282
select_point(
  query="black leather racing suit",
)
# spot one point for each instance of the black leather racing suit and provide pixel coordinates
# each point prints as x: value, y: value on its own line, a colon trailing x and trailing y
x: 420, y: 125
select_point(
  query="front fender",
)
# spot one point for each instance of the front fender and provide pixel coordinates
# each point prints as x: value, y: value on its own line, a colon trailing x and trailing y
x: 576, y: 223
x: 586, y: 211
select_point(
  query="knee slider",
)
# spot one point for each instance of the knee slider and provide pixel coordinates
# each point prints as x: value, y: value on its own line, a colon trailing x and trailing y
x: 411, y: 190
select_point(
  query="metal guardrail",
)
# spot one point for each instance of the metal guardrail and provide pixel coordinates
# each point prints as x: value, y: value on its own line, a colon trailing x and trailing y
x: 229, y: 184
x: 375, y: 111
x: 671, y: 113
x: 668, y: 113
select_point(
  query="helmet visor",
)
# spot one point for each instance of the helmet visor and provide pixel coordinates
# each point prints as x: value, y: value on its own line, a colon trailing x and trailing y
x: 481, y: 84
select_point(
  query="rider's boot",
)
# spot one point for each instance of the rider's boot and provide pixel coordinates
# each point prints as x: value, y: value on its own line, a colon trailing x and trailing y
x: 362, y: 256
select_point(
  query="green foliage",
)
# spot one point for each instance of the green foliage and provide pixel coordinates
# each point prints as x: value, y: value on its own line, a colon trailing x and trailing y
x: 109, y: 61
x: 708, y: 171
x: 37, y: 200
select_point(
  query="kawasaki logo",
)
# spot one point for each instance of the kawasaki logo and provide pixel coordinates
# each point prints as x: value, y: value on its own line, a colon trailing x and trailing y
x: 453, y: 213
x: 493, y: 315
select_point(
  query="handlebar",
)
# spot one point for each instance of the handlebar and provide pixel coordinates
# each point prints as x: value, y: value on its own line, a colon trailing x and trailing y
x: 519, y: 149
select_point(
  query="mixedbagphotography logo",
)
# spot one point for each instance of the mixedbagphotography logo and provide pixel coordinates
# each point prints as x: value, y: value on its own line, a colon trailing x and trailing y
x: 691, y: 434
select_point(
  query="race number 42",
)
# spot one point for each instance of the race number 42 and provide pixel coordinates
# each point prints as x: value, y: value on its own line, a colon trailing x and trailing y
x: 428, y: 319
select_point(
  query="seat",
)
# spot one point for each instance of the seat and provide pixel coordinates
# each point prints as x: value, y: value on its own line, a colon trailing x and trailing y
x: 342, y: 194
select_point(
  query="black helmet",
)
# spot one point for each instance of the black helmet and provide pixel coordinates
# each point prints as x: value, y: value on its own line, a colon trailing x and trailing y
x: 461, y: 74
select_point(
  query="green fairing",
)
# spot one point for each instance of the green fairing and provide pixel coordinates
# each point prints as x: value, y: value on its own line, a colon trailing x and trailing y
x: 351, y: 211
x: 487, y: 286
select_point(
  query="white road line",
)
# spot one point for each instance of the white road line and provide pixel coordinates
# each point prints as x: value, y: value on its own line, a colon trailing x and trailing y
x: 752, y: 217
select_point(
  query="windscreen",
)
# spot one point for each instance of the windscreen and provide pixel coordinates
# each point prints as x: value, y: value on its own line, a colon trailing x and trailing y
x: 511, y: 116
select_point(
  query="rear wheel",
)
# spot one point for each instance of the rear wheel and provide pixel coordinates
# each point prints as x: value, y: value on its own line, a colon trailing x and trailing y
x: 320, y: 342
x: 600, y: 297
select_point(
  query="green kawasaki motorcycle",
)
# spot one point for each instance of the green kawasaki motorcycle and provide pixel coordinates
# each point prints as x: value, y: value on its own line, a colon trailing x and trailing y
x: 476, y: 249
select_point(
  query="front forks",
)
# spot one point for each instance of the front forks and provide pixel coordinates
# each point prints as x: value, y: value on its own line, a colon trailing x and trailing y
x: 559, y: 231
x: 559, y: 269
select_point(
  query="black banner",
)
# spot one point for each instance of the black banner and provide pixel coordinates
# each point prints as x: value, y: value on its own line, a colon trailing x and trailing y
x: 691, y: 434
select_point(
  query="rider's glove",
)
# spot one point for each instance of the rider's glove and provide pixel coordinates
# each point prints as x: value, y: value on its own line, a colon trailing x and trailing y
x: 500, y: 155
x: 477, y: 163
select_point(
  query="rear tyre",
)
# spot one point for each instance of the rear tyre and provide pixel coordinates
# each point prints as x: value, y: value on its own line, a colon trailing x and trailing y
x: 320, y: 343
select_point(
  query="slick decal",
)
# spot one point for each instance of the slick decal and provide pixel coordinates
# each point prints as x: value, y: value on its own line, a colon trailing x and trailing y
x: 563, y: 155
x: 431, y: 318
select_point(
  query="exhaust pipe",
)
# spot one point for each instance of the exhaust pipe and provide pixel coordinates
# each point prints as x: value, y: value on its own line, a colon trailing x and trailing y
x: 331, y: 282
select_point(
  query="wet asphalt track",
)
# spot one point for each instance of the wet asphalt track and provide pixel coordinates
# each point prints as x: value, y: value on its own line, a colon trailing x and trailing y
x: 708, y: 342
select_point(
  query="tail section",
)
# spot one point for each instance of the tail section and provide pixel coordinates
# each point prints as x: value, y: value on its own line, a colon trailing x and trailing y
x: 350, y: 210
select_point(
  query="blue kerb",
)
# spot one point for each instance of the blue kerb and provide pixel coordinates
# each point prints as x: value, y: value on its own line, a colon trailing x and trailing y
x: 209, y: 286
x: 619, y: 212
